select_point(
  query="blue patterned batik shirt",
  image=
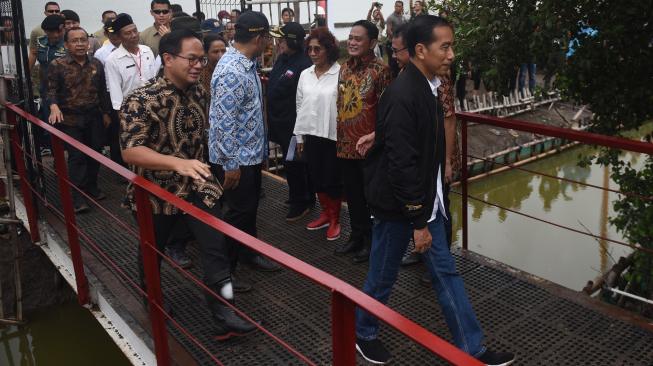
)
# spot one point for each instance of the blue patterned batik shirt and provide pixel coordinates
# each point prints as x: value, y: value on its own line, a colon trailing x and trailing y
x: 236, y: 131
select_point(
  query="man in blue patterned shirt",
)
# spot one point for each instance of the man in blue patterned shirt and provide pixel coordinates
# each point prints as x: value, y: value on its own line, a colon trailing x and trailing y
x: 236, y: 132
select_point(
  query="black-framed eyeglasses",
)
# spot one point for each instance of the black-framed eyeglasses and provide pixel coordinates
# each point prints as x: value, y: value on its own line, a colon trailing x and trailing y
x: 399, y: 50
x: 53, y: 11
x: 192, y: 61
x: 161, y: 11
x: 316, y: 49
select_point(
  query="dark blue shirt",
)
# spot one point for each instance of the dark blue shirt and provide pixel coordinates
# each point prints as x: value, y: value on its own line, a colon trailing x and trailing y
x: 45, y: 54
x: 282, y: 92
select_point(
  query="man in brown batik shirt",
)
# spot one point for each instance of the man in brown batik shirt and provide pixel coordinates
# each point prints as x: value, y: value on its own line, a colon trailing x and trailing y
x: 79, y: 104
x: 362, y: 81
x: 163, y: 139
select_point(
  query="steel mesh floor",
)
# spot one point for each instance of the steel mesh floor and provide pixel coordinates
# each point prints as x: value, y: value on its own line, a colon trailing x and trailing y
x: 540, y: 328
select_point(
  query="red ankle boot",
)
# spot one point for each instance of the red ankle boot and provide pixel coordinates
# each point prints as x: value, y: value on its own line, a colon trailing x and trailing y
x: 333, y: 232
x: 322, y: 221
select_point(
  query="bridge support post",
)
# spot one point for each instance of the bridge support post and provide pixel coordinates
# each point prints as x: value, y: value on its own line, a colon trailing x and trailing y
x: 463, y: 182
x: 28, y: 195
x: 71, y: 225
x: 343, y: 333
x: 152, y: 276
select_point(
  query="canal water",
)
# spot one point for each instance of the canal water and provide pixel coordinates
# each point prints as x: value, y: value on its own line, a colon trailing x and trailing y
x: 61, y: 335
x: 559, y: 255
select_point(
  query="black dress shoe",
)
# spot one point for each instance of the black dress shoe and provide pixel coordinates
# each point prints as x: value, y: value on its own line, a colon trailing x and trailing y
x: 352, y: 245
x: 425, y: 279
x: 227, y: 323
x: 410, y: 259
x: 362, y: 256
x: 240, y: 285
x: 263, y: 264
x: 296, y: 212
x: 81, y: 207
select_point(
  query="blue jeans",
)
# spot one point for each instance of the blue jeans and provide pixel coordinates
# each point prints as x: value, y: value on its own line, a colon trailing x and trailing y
x: 389, y: 241
x: 523, y: 69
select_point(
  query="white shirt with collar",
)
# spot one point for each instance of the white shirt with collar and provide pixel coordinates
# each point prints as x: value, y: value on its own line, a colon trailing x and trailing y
x: 438, y: 202
x: 126, y: 72
x: 104, y: 52
x: 316, y: 103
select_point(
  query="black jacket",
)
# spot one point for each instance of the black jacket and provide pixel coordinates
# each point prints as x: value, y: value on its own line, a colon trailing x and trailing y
x: 281, y: 93
x: 402, y: 166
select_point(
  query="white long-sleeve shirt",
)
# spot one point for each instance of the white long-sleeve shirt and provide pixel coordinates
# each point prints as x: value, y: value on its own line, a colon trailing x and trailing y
x: 104, y: 52
x: 126, y: 72
x: 316, y: 103
x: 438, y: 202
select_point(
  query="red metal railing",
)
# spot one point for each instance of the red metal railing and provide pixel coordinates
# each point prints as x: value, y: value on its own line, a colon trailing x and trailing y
x: 564, y: 133
x: 344, y: 297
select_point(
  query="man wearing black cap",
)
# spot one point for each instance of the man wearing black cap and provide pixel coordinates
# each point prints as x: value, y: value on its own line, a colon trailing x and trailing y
x: 100, y: 34
x: 49, y: 48
x: 282, y: 112
x: 131, y: 65
x: 108, y: 47
x: 237, y: 133
x: 51, y: 8
x: 71, y: 20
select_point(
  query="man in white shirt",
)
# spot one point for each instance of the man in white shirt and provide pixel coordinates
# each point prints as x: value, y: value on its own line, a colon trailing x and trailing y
x: 131, y: 65
x: 110, y: 46
x: 127, y: 66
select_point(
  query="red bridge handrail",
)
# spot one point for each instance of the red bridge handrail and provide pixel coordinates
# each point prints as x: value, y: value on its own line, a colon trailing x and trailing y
x: 565, y: 133
x: 338, y: 287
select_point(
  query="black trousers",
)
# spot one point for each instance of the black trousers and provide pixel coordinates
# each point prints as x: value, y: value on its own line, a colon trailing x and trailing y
x: 82, y: 169
x: 41, y: 136
x: 461, y: 90
x: 215, y: 251
x: 242, y: 206
x: 354, y: 186
x: 323, y: 170
x: 299, y: 188
x: 113, y: 138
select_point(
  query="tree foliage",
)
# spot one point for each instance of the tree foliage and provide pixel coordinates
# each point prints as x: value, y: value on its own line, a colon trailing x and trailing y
x: 611, y: 71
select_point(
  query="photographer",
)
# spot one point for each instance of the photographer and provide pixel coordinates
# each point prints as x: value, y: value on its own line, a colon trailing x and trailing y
x: 375, y: 16
x: 396, y: 19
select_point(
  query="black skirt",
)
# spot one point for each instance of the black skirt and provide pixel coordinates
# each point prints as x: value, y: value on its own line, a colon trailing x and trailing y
x: 323, y: 168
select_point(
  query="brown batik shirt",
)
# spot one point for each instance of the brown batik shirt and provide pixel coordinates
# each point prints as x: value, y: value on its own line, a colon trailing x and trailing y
x: 445, y: 93
x: 77, y: 89
x: 171, y: 122
x: 362, y: 81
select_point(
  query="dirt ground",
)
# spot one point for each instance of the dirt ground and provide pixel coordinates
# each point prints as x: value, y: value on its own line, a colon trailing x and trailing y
x: 485, y: 140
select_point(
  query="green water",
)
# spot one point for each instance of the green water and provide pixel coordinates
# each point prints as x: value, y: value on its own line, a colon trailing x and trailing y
x: 65, y: 335
x: 558, y: 255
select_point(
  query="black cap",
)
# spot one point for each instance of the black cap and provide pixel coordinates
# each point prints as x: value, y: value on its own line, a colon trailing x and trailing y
x: 70, y: 15
x: 290, y: 30
x: 252, y: 22
x: 186, y: 22
x: 108, y: 24
x: 52, y: 22
x: 121, y: 21
x: 211, y: 25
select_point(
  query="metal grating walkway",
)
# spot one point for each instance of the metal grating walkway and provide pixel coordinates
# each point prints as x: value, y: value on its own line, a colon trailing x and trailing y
x: 539, y: 326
